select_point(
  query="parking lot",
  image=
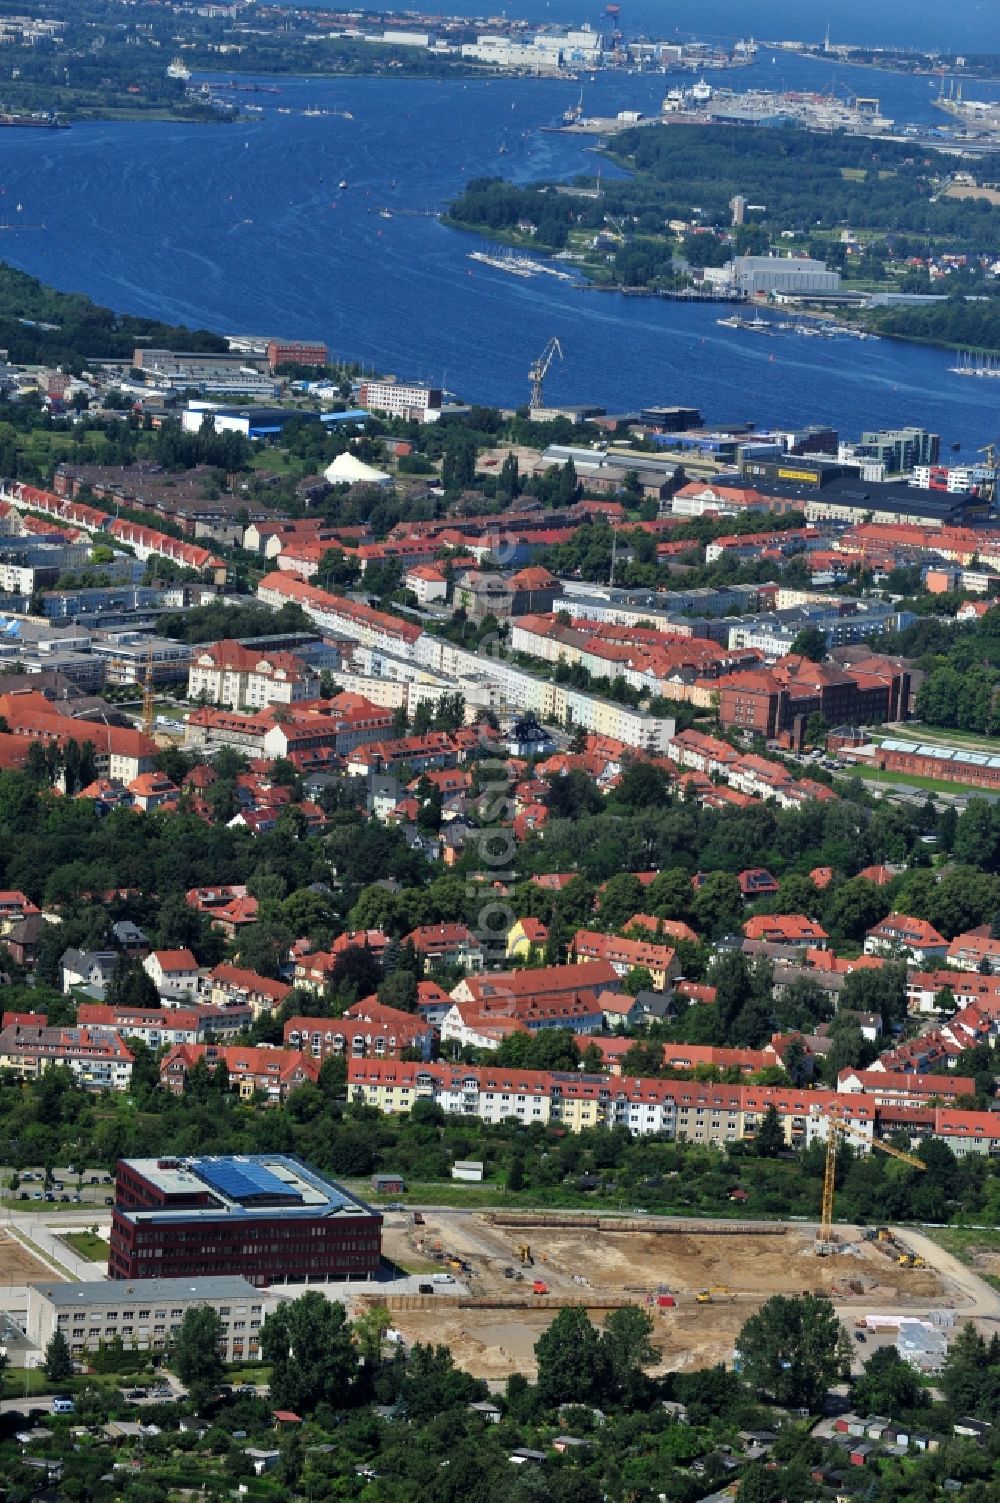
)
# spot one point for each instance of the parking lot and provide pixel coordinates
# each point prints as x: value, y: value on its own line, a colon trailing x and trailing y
x: 67, y: 1185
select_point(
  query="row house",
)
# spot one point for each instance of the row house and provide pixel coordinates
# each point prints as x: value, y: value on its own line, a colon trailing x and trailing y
x: 484, y: 1026
x: 274, y: 1073
x: 98, y: 1058
x: 447, y: 944
x: 346, y: 617
x: 436, y: 749
x: 367, y: 1030
x: 14, y: 907
x: 157, y: 1027
x: 625, y: 955
x: 898, y: 934
x: 499, y: 991
x: 661, y: 928
x: 974, y: 951
x: 231, y: 986
x: 120, y: 753
x: 889, y: 1088
x: 787, y: 929
x: 313, y: 968
x: 696, y: 1112
x: 702, y: 753
x: 967, y: 1133
x: 148, y: 543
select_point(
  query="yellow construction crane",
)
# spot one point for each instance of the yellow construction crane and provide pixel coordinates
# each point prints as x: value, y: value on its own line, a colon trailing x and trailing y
x: 540, y: 369
x: 836, y: 1127
x: 148, y: 695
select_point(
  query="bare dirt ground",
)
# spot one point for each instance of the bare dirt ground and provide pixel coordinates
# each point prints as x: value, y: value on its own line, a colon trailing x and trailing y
x: 494, y: 1343
x: 739, y: 1271
x: 968, y: 190
x: 18, y: 1266
x: 492, y: 459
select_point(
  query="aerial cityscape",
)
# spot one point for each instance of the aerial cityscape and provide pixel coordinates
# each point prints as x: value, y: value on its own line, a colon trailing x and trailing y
x: 499, y: 753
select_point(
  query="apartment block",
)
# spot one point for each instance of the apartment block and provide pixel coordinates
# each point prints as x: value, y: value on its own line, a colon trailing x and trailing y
x: 146, y: 1315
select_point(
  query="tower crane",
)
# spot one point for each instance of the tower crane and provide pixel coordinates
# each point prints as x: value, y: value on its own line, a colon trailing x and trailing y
x: 148, y: 692
x: 540, y: 369
x: 835, y: 1129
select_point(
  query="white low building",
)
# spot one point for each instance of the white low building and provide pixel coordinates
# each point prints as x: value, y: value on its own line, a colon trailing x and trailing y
x: 145, y: 1313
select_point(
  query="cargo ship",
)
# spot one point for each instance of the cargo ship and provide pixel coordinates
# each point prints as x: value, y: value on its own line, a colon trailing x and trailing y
x: 37, y: 120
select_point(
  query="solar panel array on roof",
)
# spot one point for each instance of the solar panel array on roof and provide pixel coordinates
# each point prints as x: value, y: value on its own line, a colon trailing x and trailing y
x: 245, y: 1182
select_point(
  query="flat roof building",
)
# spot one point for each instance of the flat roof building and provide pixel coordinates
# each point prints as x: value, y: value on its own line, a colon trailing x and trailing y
x: 266, y: 1217
x: 146, y: 1313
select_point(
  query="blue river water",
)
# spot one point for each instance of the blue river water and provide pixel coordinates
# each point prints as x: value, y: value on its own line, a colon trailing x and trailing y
x: 244, y: 228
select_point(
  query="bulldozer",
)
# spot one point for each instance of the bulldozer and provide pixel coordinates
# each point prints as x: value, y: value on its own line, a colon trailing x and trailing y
x: 704, y: 1297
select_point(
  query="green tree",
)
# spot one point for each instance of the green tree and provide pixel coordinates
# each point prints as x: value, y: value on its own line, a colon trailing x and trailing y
x: 308, y: 1343
x: 58, y: 1361
x: 789, y: 1349
x: 131, y: 985
x: 770, y: 1140
x: 627, y: 1349
x: 810, y: 643
x: 759, y: 1484
x: 369, y: 1333
x: 571, y: 1363
x: 509, y: 479
x: 197, y: 1356
x: 888, y: 1385
x: 717, y: 905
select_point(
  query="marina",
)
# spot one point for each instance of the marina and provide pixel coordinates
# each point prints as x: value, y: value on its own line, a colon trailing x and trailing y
x: 984, y: 366
x: 517, y: 265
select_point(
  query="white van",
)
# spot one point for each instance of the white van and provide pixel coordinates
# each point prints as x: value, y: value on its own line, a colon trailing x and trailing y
x: 61, y: 1404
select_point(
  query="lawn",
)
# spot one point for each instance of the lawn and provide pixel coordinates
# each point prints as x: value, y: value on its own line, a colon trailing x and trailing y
x: 254, y: 1372
x: 909, y: 779
x: 88, y: 1245
x: 973, y: 1246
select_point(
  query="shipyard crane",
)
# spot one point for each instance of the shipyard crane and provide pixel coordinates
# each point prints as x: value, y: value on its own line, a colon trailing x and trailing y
x: 540, y: 369
x: 835, y: 1128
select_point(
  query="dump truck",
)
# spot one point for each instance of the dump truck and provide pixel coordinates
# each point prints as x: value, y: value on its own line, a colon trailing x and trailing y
x: 703, y: 1297
x: 539, y: 1287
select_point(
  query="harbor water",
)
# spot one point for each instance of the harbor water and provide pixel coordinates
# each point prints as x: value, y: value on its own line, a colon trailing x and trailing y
x: 245, y: 227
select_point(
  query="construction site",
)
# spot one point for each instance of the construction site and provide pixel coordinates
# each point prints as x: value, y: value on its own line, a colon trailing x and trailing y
x: 18, y: 1265
x: 488, y: 1284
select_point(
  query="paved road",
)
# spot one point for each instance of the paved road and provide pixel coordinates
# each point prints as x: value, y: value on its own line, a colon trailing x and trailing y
x: 46, y: 1229
x: 974, y: 1297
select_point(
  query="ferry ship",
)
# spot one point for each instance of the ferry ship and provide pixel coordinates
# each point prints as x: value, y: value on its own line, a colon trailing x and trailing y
x: 178, y: 69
